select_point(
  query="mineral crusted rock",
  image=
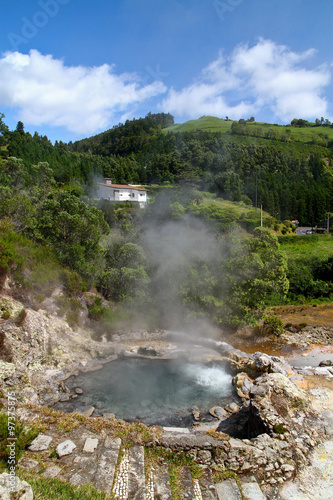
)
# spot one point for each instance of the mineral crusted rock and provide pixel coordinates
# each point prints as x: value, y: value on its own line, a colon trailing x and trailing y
x: 243, y: 384
x: 218, y: 412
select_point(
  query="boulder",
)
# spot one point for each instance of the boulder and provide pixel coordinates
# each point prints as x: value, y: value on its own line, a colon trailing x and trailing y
x: 327, y: 362
x: 243, y: 385
x: 10, y: 484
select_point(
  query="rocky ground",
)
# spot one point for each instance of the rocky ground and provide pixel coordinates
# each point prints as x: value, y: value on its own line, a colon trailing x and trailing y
x: 287, y: 411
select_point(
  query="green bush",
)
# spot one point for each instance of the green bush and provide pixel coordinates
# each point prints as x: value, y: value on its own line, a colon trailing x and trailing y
x: 73, y: 283
x: 273, y: 324
x: 10, y: 259
x: 96, y: 310
x: 9, y: 428
x: 21, y: 317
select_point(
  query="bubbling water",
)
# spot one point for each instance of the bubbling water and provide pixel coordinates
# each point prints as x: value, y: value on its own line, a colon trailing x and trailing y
x: 154, y: 391
x: 213, y: 378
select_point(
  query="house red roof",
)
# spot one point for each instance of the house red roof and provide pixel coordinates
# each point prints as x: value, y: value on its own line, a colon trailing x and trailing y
x: 122, y: 186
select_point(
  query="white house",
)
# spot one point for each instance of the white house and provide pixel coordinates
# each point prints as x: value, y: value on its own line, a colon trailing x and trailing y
x: 121, y: 192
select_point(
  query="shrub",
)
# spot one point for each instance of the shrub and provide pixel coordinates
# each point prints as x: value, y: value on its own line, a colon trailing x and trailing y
x: 73, y: 283
x: 21, y: 317
x: 274, y: 325
x: 96, y: 310
x: 24, y: 436
x: 10, y: 260
x: 302, y: 325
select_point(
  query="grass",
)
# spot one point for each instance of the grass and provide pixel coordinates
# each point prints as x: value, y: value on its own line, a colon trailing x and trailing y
x: 319, y: 246
x: 14, y: 428
x: 214, y: 124
x: 219, y: 476
x: 176, y: 464
x: 53, y: 489
x: 205, y: 123
x: 239, y: 207
x: 309, y: 314
x: 130, y: 433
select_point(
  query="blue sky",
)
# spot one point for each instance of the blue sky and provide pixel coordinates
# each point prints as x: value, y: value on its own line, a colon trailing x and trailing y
x: 72, y: 68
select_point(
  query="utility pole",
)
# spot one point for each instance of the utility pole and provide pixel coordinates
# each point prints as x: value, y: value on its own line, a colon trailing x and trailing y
x: 256, y: 191
x: 328, y: 223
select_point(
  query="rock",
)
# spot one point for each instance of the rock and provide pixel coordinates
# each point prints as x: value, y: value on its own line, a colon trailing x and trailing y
x: 90, y: 445
x: 238, y: 444
x: 287, y: 468
x: 232, y: 407
x: 250, y: 489
x: 29, y: 464
x: 41, y: 443
x: 262, y: 361
x: 78, y: 390
x: 196, y: 414
x: 65, y: 448
x: 324, y: 371
x: 243, y: 384
x: 204, y: 457
x: 10, y: 484
x: 229, y: 490
x: 89, y: 412
x: 52, y: 471
x: 64, y: 397
x: 147, y: 351
x: 218, y: 412
x: 260, y: 390
x: 77, y: 479
x: 327, y: 362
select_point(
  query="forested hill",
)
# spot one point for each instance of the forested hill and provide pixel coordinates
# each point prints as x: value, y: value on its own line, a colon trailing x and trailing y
x: 286, y: 169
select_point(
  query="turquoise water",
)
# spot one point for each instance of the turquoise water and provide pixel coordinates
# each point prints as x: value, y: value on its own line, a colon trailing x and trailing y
x: 153, y: 391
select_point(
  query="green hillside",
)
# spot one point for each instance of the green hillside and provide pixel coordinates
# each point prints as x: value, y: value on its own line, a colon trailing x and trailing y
x: 310, y: 133
x: 205, y: 123
x: 286, y: 169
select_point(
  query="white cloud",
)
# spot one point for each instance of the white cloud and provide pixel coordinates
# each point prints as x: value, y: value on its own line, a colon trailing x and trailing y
x: 82, y: 99
x: 266, y: 76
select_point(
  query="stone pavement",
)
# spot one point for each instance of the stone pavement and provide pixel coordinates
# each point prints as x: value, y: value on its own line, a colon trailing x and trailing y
x: 86, y: 458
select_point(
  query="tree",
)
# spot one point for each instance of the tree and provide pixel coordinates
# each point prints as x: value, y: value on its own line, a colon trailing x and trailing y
x: 73, y: 230
x: 228, y: 280
x: 41, y: 175
x: 4, y: 131
x: 124, y: 277
x: 20, y: 127
x: 3, y: 127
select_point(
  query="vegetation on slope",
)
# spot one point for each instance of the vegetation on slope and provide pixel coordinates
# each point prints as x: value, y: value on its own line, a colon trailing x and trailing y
x: 192, y: 254
x: 284, y: 169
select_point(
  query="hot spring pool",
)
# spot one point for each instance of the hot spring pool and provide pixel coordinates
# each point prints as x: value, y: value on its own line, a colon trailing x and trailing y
x: 160, y: 392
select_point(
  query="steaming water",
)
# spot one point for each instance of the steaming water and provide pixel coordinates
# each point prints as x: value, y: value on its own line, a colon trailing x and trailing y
x: 153, y: 391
